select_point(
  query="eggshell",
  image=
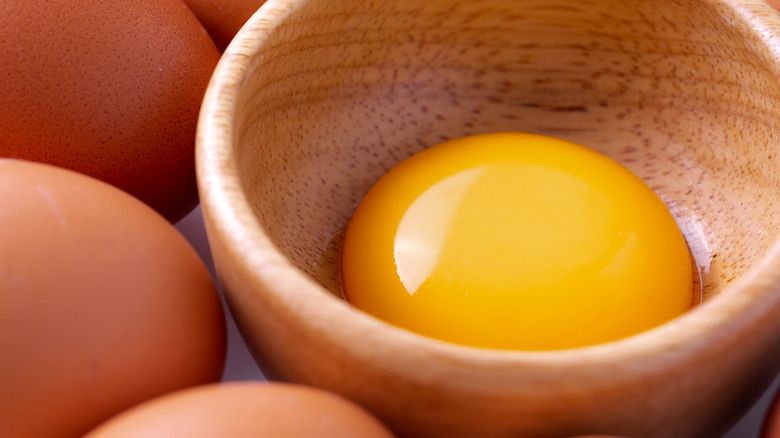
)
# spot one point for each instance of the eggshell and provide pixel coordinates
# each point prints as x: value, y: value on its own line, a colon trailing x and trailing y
x: 108, y: 88
x: 247, y: 409
x: 223, y: 18
x: 771, y: 425
x: 103, y: 304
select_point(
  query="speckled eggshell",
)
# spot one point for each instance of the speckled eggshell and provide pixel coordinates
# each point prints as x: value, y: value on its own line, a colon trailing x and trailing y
x: 223, y: 18
x: 245, y: 409
x: 108, y: 88
x: 103, y: 304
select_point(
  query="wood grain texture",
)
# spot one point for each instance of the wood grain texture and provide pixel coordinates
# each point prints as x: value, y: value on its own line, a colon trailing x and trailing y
x: 316, y: 100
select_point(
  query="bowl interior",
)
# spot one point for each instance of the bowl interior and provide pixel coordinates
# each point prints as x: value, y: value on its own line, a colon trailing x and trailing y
x: 681, y: 93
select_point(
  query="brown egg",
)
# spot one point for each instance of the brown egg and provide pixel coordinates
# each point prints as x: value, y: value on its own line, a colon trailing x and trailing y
x: 223, y: 18
x: 248, y: 409
x: 103, y: 304
x: 771, y: 425
x: 108, y: 88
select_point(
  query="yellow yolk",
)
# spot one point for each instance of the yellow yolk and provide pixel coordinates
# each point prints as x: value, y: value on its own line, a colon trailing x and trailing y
x: 516, y: 241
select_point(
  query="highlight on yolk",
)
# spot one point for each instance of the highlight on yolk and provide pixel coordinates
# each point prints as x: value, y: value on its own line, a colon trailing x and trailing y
x: 516, y: 241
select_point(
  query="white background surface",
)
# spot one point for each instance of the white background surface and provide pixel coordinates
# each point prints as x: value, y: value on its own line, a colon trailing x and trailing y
x: 241, y: 366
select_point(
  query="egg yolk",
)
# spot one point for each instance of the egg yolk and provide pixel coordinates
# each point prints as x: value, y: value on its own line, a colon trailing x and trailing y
x: 516, y: 241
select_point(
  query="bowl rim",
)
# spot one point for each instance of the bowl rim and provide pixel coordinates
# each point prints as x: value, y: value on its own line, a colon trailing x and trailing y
x: 230, y: 220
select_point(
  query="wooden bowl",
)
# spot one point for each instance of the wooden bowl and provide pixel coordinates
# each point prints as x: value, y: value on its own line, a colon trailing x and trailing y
x: 314, y: 100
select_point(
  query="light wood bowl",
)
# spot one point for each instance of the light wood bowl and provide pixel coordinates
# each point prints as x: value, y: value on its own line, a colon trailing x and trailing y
x: 314, y: 100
